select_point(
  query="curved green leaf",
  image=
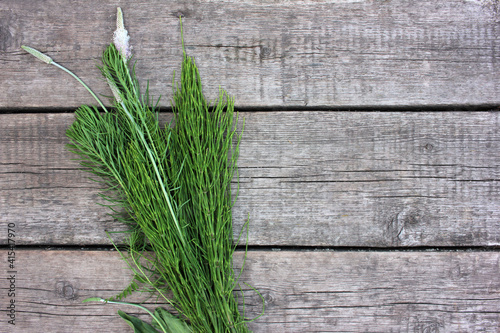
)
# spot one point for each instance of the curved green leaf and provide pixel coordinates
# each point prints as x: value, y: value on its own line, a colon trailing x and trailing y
x: 138, y: 325
x: 171, y: 322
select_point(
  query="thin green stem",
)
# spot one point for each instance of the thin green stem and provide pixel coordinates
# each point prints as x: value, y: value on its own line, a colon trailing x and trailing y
x: 48, y: 60
x: 157, y: 172
x: 81, y: 82
x: 144, y: 275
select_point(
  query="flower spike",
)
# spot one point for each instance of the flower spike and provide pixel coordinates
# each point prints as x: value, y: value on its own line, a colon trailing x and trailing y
x: 119, y: 19
x: 41, y: 56
x: 121, y: 37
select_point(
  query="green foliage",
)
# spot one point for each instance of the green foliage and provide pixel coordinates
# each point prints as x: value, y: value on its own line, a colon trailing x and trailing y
x: 133, y: 286
x: 171, y: 186
x: 138, y: 325
x: 174, y: 183
x: 162, y: 320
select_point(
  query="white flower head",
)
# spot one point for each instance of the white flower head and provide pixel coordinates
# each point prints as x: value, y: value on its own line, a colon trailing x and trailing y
x: 121, y: 37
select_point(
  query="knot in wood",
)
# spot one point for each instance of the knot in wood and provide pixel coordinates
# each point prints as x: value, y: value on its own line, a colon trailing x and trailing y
x: 265, y: 52
x: 268, y: 298
x: 428, y: 326
x: 403, y: 227
x: 408, y: 217
x: 428, y: 147
x: 65, y: 289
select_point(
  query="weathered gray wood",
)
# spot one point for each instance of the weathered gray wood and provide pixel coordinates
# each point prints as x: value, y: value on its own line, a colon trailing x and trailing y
x: 266, y: 53
x: 307, y: 178
x: 304, y: 291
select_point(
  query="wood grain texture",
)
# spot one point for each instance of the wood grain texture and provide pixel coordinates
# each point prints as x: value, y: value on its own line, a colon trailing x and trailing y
x: 303, y: 291
x: 363, y: 179
x: 265, y: 53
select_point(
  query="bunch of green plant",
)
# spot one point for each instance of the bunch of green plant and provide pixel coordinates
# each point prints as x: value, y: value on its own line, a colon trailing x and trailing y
x: 172, y: 186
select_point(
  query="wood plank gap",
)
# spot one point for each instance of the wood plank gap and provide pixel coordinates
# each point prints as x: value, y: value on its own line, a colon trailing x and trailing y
x: 353, y: 108
x: 372, y: 249
x: 374, y: 108
x: 254, y: 248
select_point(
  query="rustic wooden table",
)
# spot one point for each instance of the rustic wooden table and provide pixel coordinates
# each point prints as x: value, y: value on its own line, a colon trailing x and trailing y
x: 369, y: 168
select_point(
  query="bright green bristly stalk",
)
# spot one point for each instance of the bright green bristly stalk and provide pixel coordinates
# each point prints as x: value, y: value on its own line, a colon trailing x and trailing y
x: 204, y: 150
x: 175, y: 185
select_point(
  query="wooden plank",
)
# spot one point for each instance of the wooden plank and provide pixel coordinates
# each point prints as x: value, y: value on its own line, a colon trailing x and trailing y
x: 304, y: 291
x: 265, y: 53
x: 307, y: 178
